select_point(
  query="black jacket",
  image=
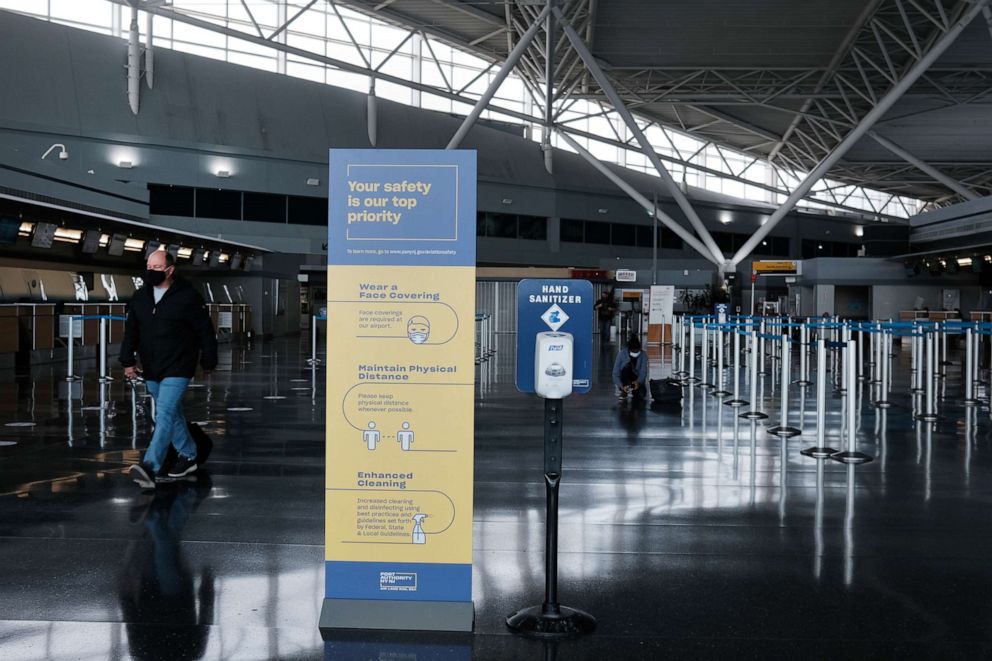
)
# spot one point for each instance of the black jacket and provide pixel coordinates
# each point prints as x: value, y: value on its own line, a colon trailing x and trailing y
x: 169, y: 336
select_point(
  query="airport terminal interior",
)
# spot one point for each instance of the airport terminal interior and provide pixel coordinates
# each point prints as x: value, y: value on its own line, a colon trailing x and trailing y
x: 575, y: 329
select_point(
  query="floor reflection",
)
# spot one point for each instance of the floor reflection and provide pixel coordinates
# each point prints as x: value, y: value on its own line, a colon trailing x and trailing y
x: 157, y: 586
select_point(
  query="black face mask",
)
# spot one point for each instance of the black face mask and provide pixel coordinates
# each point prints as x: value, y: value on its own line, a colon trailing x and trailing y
x: 154, y: 278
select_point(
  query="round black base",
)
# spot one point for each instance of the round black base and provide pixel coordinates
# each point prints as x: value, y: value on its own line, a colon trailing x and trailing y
x: 567, y: 621
x: 804, y: 384
x: 927, y: 417
x: 883, y: 404
x: 754, y: 415
x: 680, y: 373
x: 692, y: 379
x: 866, y: 379
x: 783, y: 432
x: 706, y: 386
x: 818, y: 453
x: 917, y: 391
x: 736, y: 403
x: 851, y: 457
x: 971, y: 402
x: 721, y: 393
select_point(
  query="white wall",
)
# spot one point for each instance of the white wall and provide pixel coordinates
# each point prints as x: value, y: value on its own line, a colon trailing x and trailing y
x: 824, y: 299
x: 889, y: 300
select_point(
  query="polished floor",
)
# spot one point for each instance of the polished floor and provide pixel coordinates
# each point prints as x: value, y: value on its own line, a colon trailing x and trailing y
x: 684, y: 539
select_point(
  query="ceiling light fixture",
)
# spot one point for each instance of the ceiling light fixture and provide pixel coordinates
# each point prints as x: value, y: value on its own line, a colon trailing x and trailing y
x: 313, y: 181
x: 223, y: 174
x: 127, y: 165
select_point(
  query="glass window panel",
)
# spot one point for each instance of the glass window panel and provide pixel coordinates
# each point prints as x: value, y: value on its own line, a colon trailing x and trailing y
x: 27, y: 6
x: 394, y: 92
x: 344, y: 51
x: 307, y: 43
x: 572, y: 230
x: 624, y: 235
x: 432, y: 102
x: 170, y: 200
x: 214, y: 53
x: 597, y: 232
x: 501, y: 225
x: 307, y: 210
x: 480, y: 224
x: 399, y: 65
x: 92, y: 12
x: 198, y: 36
x: 265, y: 207
x: 348, y: 80
x: 307, y: 71
x: 313, y: 22
x: 214, y: 203
x: 669, y: 240
x: 264, y: 63
x: 533, y: 227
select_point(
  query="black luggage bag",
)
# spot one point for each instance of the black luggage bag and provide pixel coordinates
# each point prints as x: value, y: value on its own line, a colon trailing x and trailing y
x: 204, y: 445
x: 665, y: 392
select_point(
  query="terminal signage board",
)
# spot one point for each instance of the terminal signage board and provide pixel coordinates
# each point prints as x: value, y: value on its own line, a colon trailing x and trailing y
x: 400, y: 388
x: 560, y: 306
x: 776, y: 267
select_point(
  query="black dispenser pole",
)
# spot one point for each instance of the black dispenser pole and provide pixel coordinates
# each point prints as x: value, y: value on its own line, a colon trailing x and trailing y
x: 551, y: 618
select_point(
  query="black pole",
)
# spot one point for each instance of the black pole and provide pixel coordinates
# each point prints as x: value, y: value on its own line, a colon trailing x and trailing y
x: 551, y: 618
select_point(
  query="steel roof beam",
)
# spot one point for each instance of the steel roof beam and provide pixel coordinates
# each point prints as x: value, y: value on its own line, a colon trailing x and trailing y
x: 909, y: 78
x: 648, y: 149
x: 649, y: 206
x: 924, y: 167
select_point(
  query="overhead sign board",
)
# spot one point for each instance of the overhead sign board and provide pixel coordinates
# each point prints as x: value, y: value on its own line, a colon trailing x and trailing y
x: 555, y: 305
x: 777, y: 267
x: 626, y: 275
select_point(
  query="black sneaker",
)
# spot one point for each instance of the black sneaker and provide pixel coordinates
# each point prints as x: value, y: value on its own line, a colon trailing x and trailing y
x: 143, y: 475
x: 183, y: 467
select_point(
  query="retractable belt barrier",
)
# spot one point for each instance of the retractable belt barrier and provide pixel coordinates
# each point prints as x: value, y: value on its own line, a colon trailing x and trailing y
x: 70, y: 344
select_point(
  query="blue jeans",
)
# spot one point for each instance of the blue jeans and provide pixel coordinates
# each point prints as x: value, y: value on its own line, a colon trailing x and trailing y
x: 170, y: 423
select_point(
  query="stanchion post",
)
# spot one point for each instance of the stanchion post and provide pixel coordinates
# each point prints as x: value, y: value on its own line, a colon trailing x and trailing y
x: 820, y: 450
x: 692, y: 353
x: 928, y: 414
x: 883, y: 390
x: 737, y: 402
x: 754, y: 414
x: 783, y: 430
x: 720, y: 376
x: 704, y: 363
x: 969, y: 369
x: 70, y: 376
x: 851, y: 455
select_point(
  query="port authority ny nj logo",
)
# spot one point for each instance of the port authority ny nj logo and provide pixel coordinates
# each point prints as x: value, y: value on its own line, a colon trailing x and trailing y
x: 554, y: 317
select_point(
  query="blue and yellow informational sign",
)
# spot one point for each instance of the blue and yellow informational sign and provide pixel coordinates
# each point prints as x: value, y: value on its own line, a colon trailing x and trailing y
x: 400, y: 379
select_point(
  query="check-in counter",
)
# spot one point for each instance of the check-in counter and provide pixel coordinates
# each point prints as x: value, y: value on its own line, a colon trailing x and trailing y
x: 910, y: 315
x: 36, y: 325
x: 10, y: 339
x: 945, y: 316
x: 981, y: 315
x: 230, y: 320
x: 74, y: 310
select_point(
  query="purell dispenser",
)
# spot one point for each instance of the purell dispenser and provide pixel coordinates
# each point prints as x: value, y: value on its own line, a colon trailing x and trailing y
x: 553, y: 365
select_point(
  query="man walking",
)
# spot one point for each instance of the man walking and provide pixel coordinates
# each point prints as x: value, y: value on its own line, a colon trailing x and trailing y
x: 169, y: 328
